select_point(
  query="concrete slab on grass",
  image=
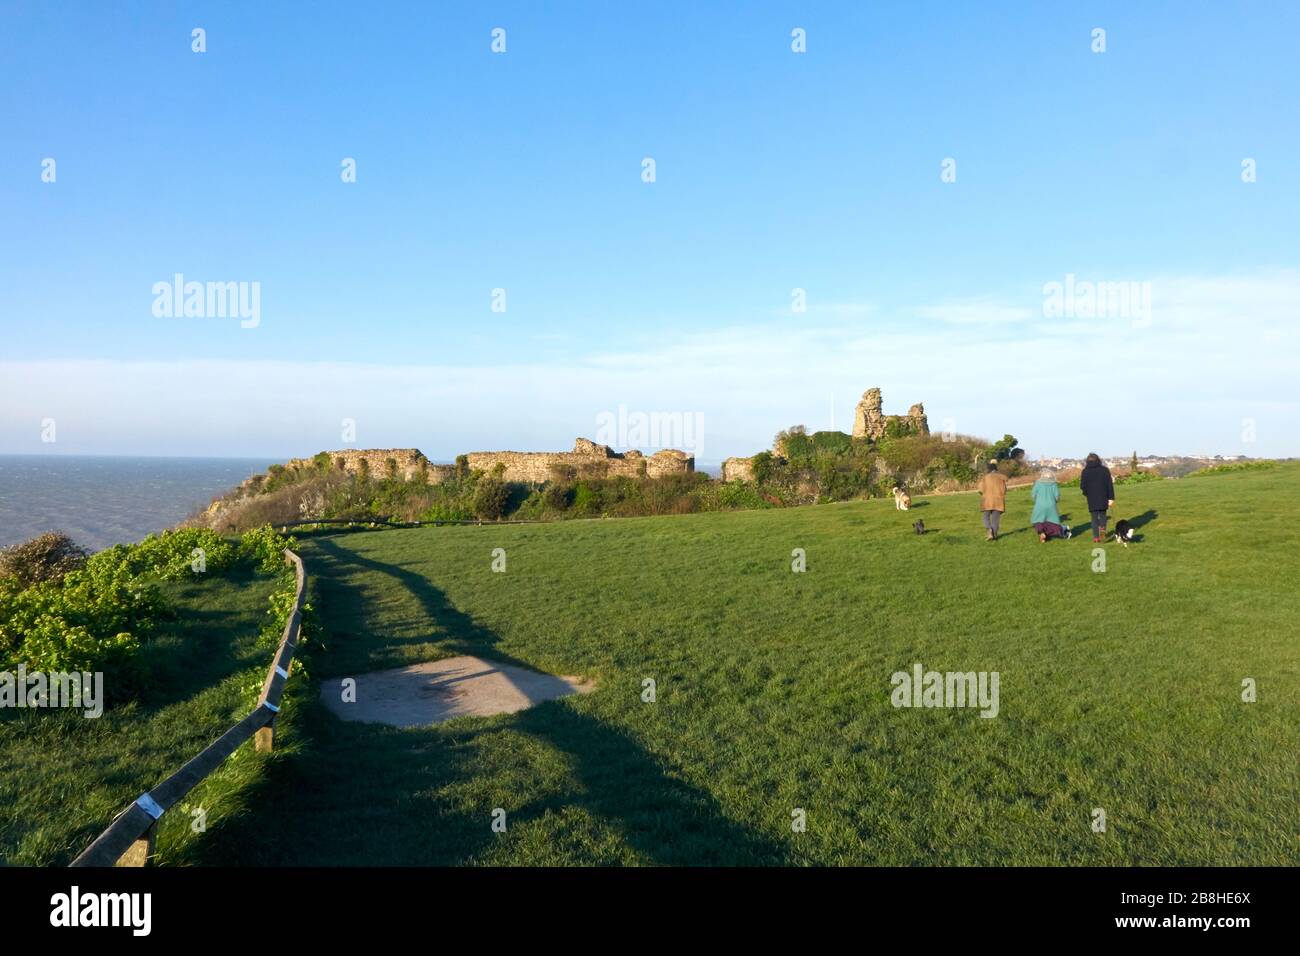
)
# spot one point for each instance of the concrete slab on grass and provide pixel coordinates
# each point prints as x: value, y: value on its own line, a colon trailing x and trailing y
x: 430, y: 693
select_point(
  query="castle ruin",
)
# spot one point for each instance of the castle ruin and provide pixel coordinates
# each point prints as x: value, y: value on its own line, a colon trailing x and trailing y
x: 591, y: 459
x: 588, y: 459
x: 406, y: 463
x: 870, y: 421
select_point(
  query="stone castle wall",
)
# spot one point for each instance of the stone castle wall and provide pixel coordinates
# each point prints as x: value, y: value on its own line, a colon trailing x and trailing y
x: 738, y: 469
x: 409, y: 461
x: 588, y: 459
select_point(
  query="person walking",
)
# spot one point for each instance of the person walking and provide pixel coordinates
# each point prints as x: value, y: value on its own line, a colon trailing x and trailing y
x: 1046, y: 519
x: 1096, y: 484
x: 993, y: 499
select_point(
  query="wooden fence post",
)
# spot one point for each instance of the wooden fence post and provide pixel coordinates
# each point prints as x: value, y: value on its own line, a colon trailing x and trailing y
x: 264, y: 739
x: 141, y: 817
x: 139, y: 852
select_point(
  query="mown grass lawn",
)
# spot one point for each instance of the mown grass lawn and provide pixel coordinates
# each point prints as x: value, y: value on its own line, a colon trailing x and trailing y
x: 1119, y: 690
x: 63, y: 778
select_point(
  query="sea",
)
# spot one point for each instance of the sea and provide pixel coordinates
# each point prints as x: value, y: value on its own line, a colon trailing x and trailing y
x: 105, y: 500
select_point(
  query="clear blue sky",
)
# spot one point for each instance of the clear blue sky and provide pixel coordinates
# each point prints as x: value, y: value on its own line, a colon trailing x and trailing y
x: 775, y: 170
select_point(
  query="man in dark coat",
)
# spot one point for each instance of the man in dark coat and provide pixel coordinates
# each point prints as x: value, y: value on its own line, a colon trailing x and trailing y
x: 1096, y: 484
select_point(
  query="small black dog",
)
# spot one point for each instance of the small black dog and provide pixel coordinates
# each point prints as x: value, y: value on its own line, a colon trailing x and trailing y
x: 919, y: 527
x: 1124, y: 532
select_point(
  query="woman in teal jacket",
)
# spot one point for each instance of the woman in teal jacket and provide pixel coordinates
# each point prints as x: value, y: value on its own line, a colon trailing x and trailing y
x: 1046, y: 519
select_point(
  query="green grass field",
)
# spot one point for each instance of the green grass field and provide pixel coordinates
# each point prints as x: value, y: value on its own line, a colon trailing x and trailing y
x: 63, y: 778
x: 1119, y: 690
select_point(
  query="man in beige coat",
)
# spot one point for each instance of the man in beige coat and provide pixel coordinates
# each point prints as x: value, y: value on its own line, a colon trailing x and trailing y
x: 993, y: 499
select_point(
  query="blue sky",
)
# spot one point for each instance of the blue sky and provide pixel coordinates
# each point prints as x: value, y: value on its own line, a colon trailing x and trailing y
x: 774, y: 171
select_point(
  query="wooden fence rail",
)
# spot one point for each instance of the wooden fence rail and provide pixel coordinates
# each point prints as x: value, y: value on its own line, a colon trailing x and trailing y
x: 129, y: 839
x: 389, y: 523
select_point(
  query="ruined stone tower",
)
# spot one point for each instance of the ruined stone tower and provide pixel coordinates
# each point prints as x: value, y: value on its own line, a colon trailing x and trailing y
x: 870, y: 421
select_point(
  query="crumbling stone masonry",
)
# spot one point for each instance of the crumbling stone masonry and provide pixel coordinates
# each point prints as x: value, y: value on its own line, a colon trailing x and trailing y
x: 588, y: 459
x: 408, y: 462
x: 870, y: 421
x: 738, y: 469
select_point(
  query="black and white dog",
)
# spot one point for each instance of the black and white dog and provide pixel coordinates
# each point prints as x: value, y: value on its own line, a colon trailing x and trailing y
x: 1124, y: 532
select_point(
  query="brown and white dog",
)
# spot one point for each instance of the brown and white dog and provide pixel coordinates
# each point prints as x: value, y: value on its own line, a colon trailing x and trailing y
x: 902, y: 500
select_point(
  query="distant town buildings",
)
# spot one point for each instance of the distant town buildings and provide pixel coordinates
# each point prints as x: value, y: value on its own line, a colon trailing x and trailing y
x: 1150, y: 462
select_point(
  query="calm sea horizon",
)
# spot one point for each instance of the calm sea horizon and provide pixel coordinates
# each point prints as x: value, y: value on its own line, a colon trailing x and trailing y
x: 102, y: 500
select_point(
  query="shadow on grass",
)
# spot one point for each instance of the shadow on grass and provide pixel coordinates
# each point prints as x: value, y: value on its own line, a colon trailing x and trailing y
x: 1144, y: 518
x: 1013, y: 532
x: 332, y: 570
x: 369, y: 794
x: 199, y: 647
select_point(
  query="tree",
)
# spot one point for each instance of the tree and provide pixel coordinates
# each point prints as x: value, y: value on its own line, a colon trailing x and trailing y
x: 1005, y: 448
x: 490, y: 497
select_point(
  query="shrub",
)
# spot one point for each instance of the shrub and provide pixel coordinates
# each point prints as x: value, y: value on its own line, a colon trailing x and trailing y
x: 898, y: 428
x: 586, y: 500
x: 832, y: 443
x: 557, y: 497
x: 264, y: 548
x: 793, y: 443
x: 1234, y: 466
x: 47, y: 557
x: 532, y: 507
x: 447, y: 511
x: 1138, y: 477
x: 90, y: 620
x: 738, y: 494
x: 490, y: 497
x: 174, y: 555
x: 96, y: 617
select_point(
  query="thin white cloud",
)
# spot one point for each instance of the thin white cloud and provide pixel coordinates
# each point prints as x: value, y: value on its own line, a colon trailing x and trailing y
x: 1216, y: 353
x: 985, y: 311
